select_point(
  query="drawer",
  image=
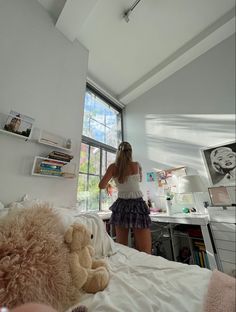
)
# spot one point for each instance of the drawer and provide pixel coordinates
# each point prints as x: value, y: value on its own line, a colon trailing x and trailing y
x: 226, y: 255
x: 227, y: 236
x: 224, y: 227
x: 226, y: 245
x: 229, y: 268
x: 218, y: 214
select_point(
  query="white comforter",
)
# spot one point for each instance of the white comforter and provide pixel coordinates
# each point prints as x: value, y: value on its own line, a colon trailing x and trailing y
x: 140, y: 282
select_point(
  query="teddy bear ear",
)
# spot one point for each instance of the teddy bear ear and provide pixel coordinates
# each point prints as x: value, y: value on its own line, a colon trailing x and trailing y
x: 68, y: 235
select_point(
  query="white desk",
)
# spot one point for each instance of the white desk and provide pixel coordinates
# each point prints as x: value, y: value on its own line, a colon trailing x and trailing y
x: 181, y: 218
x: 192, y: 219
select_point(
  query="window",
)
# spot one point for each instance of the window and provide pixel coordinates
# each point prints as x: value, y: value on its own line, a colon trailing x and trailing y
x: 102, y: 133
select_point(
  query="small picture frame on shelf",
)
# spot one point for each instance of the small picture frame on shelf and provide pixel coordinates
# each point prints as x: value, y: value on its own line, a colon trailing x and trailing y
x: 18, y: 123
x: 222, y: 196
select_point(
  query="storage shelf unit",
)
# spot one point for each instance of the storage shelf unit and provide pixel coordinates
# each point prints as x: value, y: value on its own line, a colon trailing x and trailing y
x: 223, y: 226
x: 53, y: 140
x: 67, y: 169
x: 195, y: 244
x: 14, y: 134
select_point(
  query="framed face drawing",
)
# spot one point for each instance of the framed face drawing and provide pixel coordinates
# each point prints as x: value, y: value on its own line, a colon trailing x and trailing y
x: 220, y: 163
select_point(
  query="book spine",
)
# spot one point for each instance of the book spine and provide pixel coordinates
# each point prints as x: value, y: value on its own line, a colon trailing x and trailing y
x: 50, y: 167
x: 50, y: 172
x: 52, y: 161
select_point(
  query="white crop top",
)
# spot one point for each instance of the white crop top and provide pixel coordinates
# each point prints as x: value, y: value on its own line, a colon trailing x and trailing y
x: 130, y: 188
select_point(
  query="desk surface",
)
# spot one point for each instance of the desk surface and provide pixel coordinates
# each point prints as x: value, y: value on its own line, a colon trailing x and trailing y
x: 182, y: 218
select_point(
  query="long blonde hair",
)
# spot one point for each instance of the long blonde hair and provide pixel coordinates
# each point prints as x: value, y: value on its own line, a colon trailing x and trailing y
x: 123, y: 159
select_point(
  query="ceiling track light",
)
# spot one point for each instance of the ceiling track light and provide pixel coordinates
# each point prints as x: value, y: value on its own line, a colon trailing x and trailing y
x: 127, y: 13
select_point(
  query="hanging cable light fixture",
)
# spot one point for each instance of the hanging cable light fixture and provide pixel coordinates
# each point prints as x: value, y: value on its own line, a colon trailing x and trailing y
x: 127, y: 13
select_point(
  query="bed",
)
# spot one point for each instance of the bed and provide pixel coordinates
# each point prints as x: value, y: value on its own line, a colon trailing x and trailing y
x: 138, y: 281
x: 141, y: 282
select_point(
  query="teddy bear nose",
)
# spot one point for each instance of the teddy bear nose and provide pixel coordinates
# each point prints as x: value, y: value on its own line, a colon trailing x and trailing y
x: 91, y: 236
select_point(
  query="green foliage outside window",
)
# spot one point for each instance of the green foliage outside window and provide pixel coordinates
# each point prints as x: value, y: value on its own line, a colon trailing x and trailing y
x: 102, y: 134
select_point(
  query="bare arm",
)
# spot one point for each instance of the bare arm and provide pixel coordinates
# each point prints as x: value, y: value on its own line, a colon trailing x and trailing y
x: 107, y: 177
x: 140, y: 172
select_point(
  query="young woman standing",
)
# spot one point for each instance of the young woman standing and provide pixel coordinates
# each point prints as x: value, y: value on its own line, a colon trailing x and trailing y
x: 129, y: 210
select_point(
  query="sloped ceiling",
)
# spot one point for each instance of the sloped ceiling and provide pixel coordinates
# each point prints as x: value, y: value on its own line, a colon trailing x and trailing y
x: 162, y: 36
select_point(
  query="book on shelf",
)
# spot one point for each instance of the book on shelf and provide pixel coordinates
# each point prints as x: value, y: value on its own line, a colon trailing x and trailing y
x: 60, y: 156
x: 53, y: 161
x: 50, y: 166
x: 49, y: 172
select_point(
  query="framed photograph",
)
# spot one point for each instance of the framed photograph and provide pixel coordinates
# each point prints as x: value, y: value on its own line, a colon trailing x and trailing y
x: 151, y: 177
x: 220, y: 163
x: 222, y: 196
x: 19, y: 124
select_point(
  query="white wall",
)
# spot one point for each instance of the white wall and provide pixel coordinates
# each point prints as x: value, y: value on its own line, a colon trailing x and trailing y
x: 42, y: 75
x: 192, y: 109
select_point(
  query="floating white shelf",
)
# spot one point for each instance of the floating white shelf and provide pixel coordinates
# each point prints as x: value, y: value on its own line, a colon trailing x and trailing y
x: 54, y: 140
x: 65, y: 169
x: 14, y: 134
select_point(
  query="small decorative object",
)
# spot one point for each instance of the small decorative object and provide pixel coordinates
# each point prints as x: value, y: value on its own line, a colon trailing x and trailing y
x: 68, y: 143
x: 220, y: 163
x: 193, y: 209
x: 19, y: 124
x: 168, y: 206
x: 87, y: 274
x: 151, y: 176
x: 185, y: 210
x: 222, y: 196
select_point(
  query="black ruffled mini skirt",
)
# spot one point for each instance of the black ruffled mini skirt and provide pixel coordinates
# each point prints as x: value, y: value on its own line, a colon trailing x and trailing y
x: 130, y: 213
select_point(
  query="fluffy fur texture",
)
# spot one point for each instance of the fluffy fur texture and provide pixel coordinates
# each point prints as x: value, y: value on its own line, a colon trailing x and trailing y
x: 34, y: 259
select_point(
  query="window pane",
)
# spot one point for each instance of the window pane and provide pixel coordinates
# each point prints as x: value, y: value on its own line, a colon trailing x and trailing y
x: 88, y: 102
x: 111, y: 118
x: 107, y: 159
x: 82, y: 193
x: 102, y: 123
x: 99, y: 115
x: 97, y: 131
x: 83, y: 167
x: 93, y: 200
x: 107, y: 200
x: 98, y: 111
x: 94, y: 161
x: 111, y: 137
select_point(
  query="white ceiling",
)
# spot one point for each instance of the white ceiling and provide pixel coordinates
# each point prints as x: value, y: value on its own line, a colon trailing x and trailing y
x: 127, y: 59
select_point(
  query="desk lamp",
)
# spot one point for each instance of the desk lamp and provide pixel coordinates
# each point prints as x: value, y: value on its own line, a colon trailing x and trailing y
x: 192, y: 184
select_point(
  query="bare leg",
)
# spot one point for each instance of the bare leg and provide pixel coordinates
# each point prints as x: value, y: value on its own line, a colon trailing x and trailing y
x: 122, y: 235
x: 143, y: 240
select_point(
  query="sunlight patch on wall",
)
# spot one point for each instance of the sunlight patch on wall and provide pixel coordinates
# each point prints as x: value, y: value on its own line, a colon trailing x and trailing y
x: 177, y: 140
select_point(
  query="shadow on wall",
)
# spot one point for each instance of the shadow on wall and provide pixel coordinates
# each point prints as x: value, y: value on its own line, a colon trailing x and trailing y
x: 175, y: 140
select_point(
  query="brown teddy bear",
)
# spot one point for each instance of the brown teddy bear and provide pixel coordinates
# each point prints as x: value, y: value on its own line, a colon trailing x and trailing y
x: 87, y: 274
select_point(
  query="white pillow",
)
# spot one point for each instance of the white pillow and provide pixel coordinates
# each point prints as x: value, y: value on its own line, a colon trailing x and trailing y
x: 25, y: 202
x: 102, y: 243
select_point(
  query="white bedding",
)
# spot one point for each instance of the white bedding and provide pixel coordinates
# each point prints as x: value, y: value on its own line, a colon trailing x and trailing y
x: 140, y: 282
